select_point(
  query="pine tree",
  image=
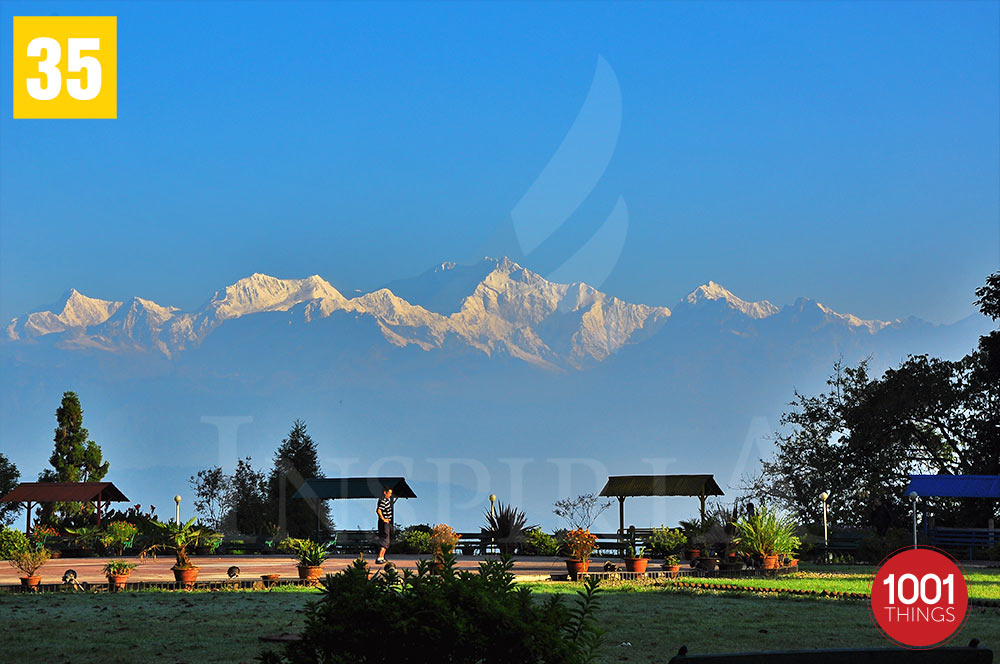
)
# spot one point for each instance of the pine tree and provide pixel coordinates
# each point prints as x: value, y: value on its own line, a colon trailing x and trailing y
x: 75, y: 458
x: 295, y: 461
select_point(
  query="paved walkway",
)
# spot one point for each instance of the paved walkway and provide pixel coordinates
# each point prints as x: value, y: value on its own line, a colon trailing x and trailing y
x: 213, y: 568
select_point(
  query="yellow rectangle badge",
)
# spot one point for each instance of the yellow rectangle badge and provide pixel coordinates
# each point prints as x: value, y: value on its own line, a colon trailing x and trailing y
x: 65, y: 67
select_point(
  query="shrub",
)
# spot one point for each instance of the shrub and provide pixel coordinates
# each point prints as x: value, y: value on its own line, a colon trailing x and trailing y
x: 873, y: 549
x: 443, y: 540
x: 539, y: 543
x: 460, y: 617
x: 12, y: 541
x: 417, y: 540
x: 665, y: 541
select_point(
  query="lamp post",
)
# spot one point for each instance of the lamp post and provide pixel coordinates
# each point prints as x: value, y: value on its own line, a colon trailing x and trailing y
x: 177, y: 512
x: 824, y: 497
x: 913, y: 496
x: 493, y: 512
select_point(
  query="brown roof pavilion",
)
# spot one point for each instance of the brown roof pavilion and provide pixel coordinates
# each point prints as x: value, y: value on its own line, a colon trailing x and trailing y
x: 64, y: 492
x: 623, y: 486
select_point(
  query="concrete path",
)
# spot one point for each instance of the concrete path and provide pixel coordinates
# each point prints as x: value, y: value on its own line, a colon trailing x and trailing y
x: 213, y: 568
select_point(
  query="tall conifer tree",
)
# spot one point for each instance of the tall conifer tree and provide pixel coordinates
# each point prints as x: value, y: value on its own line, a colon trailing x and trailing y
x: 295, y: 461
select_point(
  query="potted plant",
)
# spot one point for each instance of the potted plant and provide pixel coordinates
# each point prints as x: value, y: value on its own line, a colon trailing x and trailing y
x: 28, y: 561
x: 672, y: 565
x: 269, y: 579
x: 177, y: 538
x: 767, y: 534
x: 443, y: 541
x: 118, y: 572
x: 581, y: 544
x: 311, y: 555
x: 636, y: 559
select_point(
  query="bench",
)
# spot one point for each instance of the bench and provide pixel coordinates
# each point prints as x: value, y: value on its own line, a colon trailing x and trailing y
x: 950, y: 655
x: 354, y: 541
x: 966, y: 540
x: 841, y: 542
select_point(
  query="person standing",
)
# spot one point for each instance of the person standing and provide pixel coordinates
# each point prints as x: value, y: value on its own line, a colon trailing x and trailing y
x: 384, y: 512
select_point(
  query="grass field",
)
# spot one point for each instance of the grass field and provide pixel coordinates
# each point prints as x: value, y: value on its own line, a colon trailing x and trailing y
x: 642, y: 622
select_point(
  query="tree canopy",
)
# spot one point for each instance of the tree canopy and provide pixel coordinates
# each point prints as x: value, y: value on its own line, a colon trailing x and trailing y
x: 9, y: 475
x: 862, y: 438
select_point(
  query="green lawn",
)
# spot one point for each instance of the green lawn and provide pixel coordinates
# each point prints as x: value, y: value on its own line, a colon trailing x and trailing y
x: 644, y: 622
x: 982, y: 584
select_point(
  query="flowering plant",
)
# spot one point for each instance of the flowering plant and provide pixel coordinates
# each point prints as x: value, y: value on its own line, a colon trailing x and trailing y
x: 41, y: 532
x: 443, y: 539
x: 581, y: 543
x: 117, y: 535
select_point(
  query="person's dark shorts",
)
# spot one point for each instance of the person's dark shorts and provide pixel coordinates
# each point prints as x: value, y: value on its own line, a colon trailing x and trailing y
x: 384, y: 534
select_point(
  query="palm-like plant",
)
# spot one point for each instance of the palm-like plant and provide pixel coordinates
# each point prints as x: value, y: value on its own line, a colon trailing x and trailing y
x: 767, y: 533
x: 507, y: 527
x: 310, y: 553
x: 175, y: 537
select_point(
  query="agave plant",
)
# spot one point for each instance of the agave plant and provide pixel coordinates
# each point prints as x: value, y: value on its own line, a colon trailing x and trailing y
x: 507, y: 527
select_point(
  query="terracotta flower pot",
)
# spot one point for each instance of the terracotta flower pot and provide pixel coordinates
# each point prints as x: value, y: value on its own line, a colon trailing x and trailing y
x: 708, y: 563
x: 691, y: 554
x: 30, y: 581
x: 577, y: 567
x: 770, y: 562
x: 269, y: 579
x: 185, y: 576
x: 310, y: 572
x: 637, y: 565
x: 117, y: 582
x: 672, y: 570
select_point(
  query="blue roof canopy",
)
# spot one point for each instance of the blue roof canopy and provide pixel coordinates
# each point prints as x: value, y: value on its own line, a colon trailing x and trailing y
x: 955, y: 486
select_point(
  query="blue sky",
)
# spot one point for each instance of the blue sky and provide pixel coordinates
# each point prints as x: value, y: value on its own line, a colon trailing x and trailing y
x: 848, y: 152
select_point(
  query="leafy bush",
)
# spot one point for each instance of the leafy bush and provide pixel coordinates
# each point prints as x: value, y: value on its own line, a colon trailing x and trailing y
x: 417, y: 541
x: 12, y: 541
x: 873, y: 549
x: 665, y: 541
x: 539, y: 543
x: 458, y: 616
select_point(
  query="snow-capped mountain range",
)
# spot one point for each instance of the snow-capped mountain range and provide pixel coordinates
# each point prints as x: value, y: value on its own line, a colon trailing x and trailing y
x: 506, y: 309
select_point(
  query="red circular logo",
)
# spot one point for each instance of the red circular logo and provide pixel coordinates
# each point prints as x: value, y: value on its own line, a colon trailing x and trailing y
x: 919, y: 597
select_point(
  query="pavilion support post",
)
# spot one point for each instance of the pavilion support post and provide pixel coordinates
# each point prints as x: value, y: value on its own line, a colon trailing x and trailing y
x: 621, y: 517
x: 702, y: 499
x: 99, y: 501
x: 27, y: 518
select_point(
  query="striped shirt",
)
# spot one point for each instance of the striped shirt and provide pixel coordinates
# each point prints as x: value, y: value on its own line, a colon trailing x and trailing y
x: 385, y: 505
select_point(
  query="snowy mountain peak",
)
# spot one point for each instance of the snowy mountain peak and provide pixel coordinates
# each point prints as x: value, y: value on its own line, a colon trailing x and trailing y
x: 713, y: 291
x: 78, y: 312
x: 260, y: 292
